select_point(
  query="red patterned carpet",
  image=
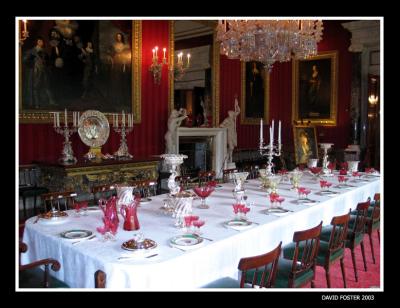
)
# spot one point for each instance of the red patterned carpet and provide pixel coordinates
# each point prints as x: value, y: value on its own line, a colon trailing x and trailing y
x: 369, y: 279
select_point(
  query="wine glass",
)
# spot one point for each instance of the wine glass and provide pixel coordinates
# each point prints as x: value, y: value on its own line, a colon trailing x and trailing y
x: 198, y: 224
x: 273, y: 198
x: 188, y: 222
x: 280, y: 200
x: 77, y: 208
x: 303, y: 193
x: 203, y: 193
x: 244, y: 210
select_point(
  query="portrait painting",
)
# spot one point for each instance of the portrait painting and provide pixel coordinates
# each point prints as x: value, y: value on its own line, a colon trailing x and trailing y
x: 305, y: 143
x: 78, y: 65
x: 255, y: 93
x: 315, y: 89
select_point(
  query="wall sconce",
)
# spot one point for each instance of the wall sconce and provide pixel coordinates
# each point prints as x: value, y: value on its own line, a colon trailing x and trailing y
x: 24, y: 32
x: 156, y: 68
x: 180, y: 69
x: 373, y: 99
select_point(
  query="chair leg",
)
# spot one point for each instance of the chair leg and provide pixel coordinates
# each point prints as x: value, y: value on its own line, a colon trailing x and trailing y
x: 328, y: 278
x: 363, y: 255
x: 353, y: 257
x: 24, y: 204
x: 372, y: 247
x: 343, y: 272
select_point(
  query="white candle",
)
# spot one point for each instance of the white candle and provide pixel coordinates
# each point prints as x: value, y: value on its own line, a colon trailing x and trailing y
x: 156, y: 52
x: 65, y: 118
x: 261, y: 132
x: 164, y: 50
x: 73, y: 118
x: 279, y: 136
x: 54, y: 117
x: 123, y: 118
x: 132, y: 119
x: 270, y: 136
x: 77, y: 119
x: 188, y: 59
x: 273, y: 124
x: 116, y: 120
x: 58, y: 119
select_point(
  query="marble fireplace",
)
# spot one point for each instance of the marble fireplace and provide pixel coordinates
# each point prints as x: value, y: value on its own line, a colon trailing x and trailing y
x: 218, y: 144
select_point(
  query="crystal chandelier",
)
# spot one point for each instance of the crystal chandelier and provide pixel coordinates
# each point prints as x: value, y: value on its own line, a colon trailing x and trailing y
x: 268, y: 41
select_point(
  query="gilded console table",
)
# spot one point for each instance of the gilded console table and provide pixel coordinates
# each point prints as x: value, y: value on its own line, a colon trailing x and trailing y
x: 83, y: 175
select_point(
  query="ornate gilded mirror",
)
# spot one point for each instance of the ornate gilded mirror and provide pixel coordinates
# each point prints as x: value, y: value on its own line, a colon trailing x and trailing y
x: 194, y: 80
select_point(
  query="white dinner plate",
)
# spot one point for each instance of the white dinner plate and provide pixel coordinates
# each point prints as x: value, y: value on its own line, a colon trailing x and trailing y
x: 186, y: 241
x: 76, y: 234
x: 238, y: 224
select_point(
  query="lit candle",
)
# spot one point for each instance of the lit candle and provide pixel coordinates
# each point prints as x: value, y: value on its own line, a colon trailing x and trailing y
x: 164, y: 50
x: 66, y: 118
x: 188, y: 59
x: 54, y: 116
x: 261, y: 132
x: 270, y: 136
x: 123, y: 118
x: 279, y: 136
x: 58, y: 119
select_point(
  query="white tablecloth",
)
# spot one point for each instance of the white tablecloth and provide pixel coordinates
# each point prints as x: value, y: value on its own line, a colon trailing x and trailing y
x: 174, y: 269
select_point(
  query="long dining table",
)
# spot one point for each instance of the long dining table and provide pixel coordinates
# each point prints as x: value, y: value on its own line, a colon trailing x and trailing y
x: 170, y: 268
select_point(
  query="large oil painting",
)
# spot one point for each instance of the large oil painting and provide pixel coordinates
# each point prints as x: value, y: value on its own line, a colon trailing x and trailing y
x: 80, y: 65
x: 315, y: 89
x: 255, y: 93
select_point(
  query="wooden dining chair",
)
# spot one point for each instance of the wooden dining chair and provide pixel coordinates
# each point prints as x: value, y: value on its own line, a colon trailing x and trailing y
x: 355, y: 234
x: 32, y: 276
x: 103, y: 192
x: 206, y: 176
x: 61, y: 201
x: 255, y: 271
x: 372, y: 222
x: 100, y: 279
x: 227, y: 175
x: 297, y: 267
x: 332, y: 245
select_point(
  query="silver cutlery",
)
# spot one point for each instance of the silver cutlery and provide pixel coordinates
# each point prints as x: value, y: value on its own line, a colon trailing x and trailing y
x: 86, y: 239
x: 133, y: 257
x: 208, y: 239
x: 178, y: 248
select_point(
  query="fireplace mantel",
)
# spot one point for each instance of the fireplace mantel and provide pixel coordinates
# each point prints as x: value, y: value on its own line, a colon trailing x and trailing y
x: 219, y: 144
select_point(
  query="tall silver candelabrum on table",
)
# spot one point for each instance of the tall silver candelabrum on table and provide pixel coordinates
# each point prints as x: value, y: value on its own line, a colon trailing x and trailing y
x: 123, y: 151
x: 325, y: 169
x: 67, y: 154
x: 270, y: 150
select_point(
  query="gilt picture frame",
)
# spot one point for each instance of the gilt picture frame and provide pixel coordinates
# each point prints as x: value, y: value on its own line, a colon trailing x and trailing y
x: 84, y: 64
x: 314, y: 89
x: 254, y: 104
x: 305, y: 143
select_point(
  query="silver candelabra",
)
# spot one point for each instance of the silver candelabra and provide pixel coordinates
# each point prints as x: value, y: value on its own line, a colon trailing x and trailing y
x: 270, y: 151
x: 123, y: 151
x: 67, y: 155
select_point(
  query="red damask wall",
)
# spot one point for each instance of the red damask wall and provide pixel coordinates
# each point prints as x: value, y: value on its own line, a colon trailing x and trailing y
x: 335, y: 37
x: 40, y: 142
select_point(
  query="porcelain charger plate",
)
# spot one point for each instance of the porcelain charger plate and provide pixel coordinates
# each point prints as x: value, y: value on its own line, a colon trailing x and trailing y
x: 186, y: 241
x: 76, y: 234
x: 238, y: 224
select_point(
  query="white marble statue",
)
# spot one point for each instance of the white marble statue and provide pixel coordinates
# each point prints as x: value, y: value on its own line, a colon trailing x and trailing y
x: 230, y: 123
x: 174, y: 121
